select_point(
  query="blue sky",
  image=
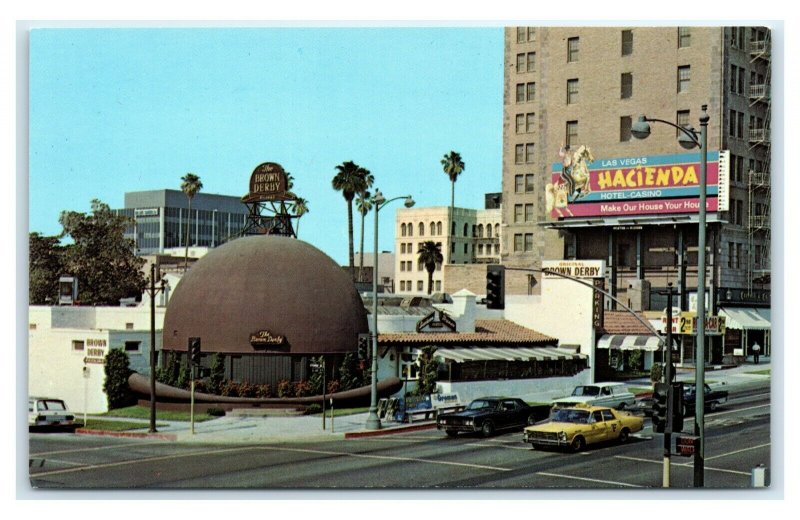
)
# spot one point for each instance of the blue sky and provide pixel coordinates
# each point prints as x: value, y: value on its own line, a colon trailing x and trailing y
x: 117, y: 110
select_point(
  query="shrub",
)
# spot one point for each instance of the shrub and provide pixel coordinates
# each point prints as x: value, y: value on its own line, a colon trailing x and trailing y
x: 215, y: 412
x: 217, y: 373
x: 351, y: 372
x: 284, y: 388
x: 263, y: 391
x: 184, y: 378
x: 302, y: 389
x: 656, y: 372
x: 230, y: 389
x: 313, y: 408
x: 117, y: 369
x: 334, y: 386
x: 317, y: 375
x: 428, y: 371
x: 247, y: 389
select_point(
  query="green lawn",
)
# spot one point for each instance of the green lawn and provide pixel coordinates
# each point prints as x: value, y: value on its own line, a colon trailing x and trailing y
x: 143, y: 412
x: 766, y: 372
x: 115, y: 426
x: 337, y: 412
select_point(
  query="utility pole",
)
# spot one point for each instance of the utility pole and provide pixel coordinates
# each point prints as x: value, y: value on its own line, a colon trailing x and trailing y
x: 668, y: 375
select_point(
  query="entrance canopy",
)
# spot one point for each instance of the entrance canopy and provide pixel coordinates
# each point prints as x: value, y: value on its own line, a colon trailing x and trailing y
x: 459, y: 355
x: 629, y: 342
x: 746, y: 318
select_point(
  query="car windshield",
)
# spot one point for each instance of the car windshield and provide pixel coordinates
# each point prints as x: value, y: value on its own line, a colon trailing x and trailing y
x: 586, y: 390
x: 480, y: 404
x: 568, y: 415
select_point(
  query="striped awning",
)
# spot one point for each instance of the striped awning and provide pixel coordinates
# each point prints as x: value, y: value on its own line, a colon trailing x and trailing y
x: 459, y: 355
x: 746, y: 318
x: 627, y: 342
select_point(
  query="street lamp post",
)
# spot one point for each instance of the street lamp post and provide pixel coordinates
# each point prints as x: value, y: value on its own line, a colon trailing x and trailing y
x: 690, y: 139
x: 378, y: 201
x: 152, y: 291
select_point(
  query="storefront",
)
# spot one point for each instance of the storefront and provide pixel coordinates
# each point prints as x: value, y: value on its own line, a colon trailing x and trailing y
x: 746, y: 327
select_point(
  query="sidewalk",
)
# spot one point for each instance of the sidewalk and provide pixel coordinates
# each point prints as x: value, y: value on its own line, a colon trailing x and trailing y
x: 280, y: 429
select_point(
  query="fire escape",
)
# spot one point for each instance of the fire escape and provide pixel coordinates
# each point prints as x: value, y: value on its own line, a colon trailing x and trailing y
x: 759, y: 185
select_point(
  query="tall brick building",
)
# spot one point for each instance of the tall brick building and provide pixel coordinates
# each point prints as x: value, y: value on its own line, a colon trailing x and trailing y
x: 586, y: 86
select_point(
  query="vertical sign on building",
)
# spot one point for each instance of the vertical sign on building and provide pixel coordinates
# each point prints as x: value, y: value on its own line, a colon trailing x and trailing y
x: 598, y: 309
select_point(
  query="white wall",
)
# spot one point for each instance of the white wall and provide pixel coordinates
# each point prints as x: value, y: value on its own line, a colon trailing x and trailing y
x: 541, y: 390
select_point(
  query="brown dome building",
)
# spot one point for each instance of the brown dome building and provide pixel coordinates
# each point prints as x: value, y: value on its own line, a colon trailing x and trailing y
x: 268, y: 303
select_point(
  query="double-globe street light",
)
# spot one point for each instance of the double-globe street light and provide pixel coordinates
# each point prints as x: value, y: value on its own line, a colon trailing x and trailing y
x: 152, y: 291
x: 378, y: 202
x: 689, y: 139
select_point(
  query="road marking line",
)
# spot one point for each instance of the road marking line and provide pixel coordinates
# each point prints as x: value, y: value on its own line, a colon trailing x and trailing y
x: 498, y: 445
x: 96, y: 448
x: 132, y: 461
x: 738, y: 410
x: 739, y: 451
x: 682, y: 464
x: 386, y: 457
x: 589, y: 479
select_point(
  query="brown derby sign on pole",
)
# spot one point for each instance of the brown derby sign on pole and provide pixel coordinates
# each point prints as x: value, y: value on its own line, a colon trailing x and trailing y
x: 268, y: 182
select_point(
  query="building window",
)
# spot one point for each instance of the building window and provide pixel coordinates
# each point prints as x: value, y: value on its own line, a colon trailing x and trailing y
x: 572, y: 133
x: 410, y: 230
x: 132, y: 346
x: 531, y: 91
x: 129, y: 326
x: 572, y: 50
x: 684, y: 37
x: 529, y: 179
x: 739, y: 167
x: 438, y: 284
x: 528, y: 241
x: 489, y: 231
x: 466, y: 230
x: 520, y: 63
x: 739, y: 212
x: 730, y: 255
x: 522, y: 34
x: 77, y: 344
x: 732, y: 123
x: 529, y: 213
x: 420, y: 266
x: 682, y: 120
x: 627, y: 42
x: 518, y: 244
x: 529, y: 152
x: 402, y: 229
x: 734, y: 73
x: 530, y: 122
x: 683, y: 78
x: 740, y: 81
x: 740, y: 125
x: 518, y: 153
x: 572, y: 91
x: 419, y: 285
x: 625, y: 129
x: 738, y: 256
x: 433, y: 229
x: 626, y: 85
x: 520, y: 123
x: 518, y: 184
x: 421, y: 229
x: 531, y: 61
x: 31, y: 326
x: 439, y: 228
x: 531, y: 34
x: 520, y: 92
x: 518, y: 213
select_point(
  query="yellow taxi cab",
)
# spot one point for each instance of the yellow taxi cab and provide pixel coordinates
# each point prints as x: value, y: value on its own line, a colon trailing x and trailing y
x: 576, y: 426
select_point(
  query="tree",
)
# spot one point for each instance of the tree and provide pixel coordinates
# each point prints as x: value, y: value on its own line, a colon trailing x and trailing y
x: 363, y: 205
x: 115, y: 385
x: 452, y: 166
x: 300, y: 208
x: 100, y: 256
x: 430, y: 255
x: 46, y: 264
x: 350, y: 180
x: 428, y: 369
x: 191, y: 186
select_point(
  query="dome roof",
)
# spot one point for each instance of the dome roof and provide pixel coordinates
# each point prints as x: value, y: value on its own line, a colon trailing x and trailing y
x: 265, y: 294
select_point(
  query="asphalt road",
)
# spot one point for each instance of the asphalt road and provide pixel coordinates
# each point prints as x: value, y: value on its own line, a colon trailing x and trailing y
x: 737, y: 440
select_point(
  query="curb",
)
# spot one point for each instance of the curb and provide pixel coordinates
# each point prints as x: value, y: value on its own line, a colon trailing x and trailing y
x: 389, y: 431
x: 133, y: 435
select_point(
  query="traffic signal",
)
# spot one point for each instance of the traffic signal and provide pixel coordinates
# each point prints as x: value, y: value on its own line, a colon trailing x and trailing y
x: 495, y: 287
x: 363, y: 346
x: 675, y: 418
x: 194, y: 351
x: 660, y: 397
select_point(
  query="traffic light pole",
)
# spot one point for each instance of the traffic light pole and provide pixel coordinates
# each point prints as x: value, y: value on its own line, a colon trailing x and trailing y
x: 668, y: 380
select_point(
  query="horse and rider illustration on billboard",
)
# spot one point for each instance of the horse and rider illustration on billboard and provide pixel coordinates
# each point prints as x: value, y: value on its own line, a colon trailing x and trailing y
x: 581, y: 186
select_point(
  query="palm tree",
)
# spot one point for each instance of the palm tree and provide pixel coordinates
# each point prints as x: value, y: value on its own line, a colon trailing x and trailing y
x: 363, y: 205
x: 452, y: 166
x: 300, y: 208
x: 430, y: 254
x: 190, y: 185
x: 350, y: 180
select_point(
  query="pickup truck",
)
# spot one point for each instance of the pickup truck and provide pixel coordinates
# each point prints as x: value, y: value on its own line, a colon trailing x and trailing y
x: 612, y: 395
x: 712, y: 398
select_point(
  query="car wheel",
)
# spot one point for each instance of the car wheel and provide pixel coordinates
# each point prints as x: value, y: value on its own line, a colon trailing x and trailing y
x: 624, y: 435
x: 684, y: 410
x: 621, y: 406
x: 451, y: 433
x: 531, y: 419
x: 488, y: 429
x: 712, y: 406
x: 578, y: 443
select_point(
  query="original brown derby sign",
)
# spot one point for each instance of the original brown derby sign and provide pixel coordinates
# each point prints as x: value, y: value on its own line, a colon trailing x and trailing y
x: 266, y: 338
x: 268, y: 182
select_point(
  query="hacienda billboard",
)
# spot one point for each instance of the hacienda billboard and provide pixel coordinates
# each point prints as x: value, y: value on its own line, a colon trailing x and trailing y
x: 582, y: 186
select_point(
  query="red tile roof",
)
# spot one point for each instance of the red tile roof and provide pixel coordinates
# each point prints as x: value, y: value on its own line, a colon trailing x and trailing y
x: 623, y: 322
x: 487, y: 332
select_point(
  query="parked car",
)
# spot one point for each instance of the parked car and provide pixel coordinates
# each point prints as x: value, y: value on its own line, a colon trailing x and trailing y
x: 613, y: 395
x: 576, y: 426
x: 48, y: 412
x: 490, y: 414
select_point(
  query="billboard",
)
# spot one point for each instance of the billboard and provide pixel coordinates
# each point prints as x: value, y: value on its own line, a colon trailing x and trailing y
x: 581, y: 186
